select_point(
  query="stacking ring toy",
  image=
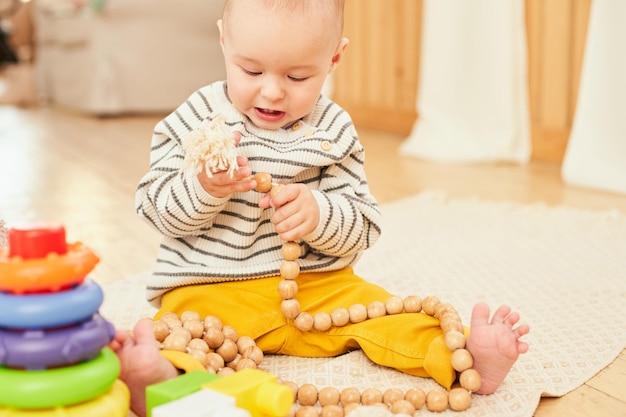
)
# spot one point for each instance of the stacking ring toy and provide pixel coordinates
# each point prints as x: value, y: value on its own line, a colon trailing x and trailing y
x: 44, y: 348
x: 35, y: 311
x: 52, y: 273
x: 114, y: 403
x: 59, y: 387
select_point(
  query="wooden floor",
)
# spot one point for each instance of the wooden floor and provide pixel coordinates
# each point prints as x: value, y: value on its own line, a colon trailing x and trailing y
x: 82, y: 171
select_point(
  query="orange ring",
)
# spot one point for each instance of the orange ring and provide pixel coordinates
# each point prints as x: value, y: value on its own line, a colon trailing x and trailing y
x: 52, y: 273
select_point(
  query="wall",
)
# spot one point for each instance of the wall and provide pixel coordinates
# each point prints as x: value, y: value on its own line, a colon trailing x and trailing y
x: 378, y: 79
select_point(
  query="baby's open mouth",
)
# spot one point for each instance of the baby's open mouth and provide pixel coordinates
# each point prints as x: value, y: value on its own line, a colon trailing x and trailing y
x: 269, y: 111
x: 269, y: 114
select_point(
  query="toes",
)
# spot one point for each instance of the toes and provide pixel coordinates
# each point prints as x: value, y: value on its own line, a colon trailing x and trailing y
x: 480, y: 315
x: 522, y: 347
x: 501, y: 314
x: 512, y: 319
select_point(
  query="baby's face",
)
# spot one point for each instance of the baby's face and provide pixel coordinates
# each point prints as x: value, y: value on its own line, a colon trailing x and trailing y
x: 276, y: 63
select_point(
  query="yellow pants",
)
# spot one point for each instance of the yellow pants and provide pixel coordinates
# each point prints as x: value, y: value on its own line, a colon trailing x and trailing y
x: 412, y: 343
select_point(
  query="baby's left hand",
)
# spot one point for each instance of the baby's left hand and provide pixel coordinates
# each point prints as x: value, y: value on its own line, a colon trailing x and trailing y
x: 296, y: 211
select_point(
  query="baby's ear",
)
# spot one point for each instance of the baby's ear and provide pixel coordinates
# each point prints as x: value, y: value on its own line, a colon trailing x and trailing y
x: 220, y: 26
x: 341, y: 48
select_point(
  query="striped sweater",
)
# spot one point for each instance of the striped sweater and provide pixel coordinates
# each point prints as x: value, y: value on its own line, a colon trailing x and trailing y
x: 207, y: 239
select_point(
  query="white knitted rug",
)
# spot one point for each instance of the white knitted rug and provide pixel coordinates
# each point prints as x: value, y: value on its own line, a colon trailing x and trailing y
x: 563, y: 269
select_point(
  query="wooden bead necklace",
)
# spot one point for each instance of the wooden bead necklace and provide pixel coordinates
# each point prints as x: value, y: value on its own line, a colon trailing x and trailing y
x: 221, y: 350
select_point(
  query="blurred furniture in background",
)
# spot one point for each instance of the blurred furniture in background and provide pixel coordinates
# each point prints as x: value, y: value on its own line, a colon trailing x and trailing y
x: 17, y: 81
x: 116, y: 57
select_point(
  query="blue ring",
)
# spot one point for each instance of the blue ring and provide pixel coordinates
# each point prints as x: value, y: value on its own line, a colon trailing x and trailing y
x: 42, y: 349
x: 35, y: 311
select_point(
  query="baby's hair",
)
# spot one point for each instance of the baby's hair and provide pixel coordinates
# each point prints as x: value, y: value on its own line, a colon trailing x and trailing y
x: 332, y: 8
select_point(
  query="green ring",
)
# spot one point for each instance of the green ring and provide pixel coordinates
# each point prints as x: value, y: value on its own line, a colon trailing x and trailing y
x: 60, y: 386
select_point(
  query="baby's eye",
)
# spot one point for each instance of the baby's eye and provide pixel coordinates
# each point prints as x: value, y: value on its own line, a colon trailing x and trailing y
x: 292, y: 78
x: 253, y: 73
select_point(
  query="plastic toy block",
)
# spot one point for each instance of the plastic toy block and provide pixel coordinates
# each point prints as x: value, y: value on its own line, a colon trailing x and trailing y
x: 203, y: 403
x: 174, y: 389
x: 256, y: 391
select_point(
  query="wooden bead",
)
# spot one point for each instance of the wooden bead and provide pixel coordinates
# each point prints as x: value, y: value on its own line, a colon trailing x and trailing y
x: 416, y: 396
x: 190, y: 315
x: 394, y: 305
x: 470, y: 380
x: 254, y: 353
x: 263, y: 182
x: 413, y: 304
x: 450, y: 323
x: 307, y: 411
x: 437, y: 400
x: 332, y: 410
x: 215, y: 361
x: 322, y: 321
x: 198, y: 355
x: 213, y: 337
x: 175, y: 342
x: 245, y: 363
x: 350, y: 396
x: 195, y: 328
x: 461, y: 360
x: 371, y: 396
x: 340, y: 317
x: 171, y: 320
x: 445, y: 308
x: 287, y: 288
x: 244, y: 343
x: 392, y: 395
x: 290, y: 308
x: 429, y: 304
x: 289, y: 269
x: 290, y: 251
x: 181, y: 332
x: 160, y: 330
x: 358, y: 313
x: 460, y: 399
x: 304, y: 321
x: 328, y: 396
x: 225, y: 371
x: 212, y: 322
x: 403, y: 407
x: 307, y: 394
x: 198, y: 344
x: 233, y: 364
x: 376, y: 309
x: 455, y: 340
x: 230, y: 333
x: 228, y: 350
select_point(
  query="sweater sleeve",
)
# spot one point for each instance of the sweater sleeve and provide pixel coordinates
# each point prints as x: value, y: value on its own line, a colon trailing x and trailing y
x: 349, y: 215
x: 168, y: 197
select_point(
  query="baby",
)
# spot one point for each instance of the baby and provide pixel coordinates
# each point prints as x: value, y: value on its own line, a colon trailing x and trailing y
x: 221, y: 248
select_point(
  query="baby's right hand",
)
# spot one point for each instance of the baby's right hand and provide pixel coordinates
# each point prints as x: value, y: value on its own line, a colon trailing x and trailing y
x: 222, y: 184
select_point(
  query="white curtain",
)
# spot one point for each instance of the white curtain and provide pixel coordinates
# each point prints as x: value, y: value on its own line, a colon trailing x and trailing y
x: 472, y: 99
x: 596, y: 151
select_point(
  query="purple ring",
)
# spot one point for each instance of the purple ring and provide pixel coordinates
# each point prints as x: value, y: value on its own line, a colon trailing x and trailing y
x: 47, y: 348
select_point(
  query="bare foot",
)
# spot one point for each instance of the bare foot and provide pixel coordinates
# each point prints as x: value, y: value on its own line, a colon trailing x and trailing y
x: 495, y: 344
x: 141, y: 363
